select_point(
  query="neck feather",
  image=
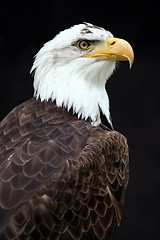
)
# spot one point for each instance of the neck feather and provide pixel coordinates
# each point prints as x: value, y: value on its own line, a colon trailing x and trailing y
x: 76, y: 85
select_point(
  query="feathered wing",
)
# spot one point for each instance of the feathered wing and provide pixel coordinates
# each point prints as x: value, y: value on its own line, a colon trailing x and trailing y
x: 106, y: 155
x: 61, y: 178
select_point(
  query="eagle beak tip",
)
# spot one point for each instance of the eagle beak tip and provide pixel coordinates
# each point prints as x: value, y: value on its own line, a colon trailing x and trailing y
x: 130, y: 63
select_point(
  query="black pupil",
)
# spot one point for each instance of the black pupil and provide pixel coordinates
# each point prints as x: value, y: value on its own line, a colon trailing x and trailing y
x: 84, y: 44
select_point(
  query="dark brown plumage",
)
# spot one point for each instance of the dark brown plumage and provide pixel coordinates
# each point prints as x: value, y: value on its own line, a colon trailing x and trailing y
x: 60, y: 177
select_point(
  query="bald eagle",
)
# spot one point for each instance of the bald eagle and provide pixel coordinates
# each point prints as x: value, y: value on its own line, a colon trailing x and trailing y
x: 63, y: 170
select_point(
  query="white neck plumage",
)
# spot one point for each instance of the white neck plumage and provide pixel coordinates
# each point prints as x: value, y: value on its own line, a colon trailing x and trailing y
x: 79, y: 84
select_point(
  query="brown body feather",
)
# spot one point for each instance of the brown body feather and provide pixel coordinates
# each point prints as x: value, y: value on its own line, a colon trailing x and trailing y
x: 60, y: 178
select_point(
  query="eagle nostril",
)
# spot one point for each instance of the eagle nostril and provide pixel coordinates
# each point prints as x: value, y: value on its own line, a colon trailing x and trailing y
x: 112, y: 43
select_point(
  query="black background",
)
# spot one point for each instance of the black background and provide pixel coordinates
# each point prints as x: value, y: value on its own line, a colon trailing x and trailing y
x: 134, y: 94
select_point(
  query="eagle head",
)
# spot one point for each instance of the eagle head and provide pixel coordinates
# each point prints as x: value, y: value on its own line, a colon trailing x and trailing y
x: 72, y: 69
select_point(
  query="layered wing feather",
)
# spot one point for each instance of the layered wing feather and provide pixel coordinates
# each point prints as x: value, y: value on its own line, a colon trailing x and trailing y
x: 60, y: 178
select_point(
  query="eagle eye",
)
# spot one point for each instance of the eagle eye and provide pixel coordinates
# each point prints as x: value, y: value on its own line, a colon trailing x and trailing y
x: 83, y: 44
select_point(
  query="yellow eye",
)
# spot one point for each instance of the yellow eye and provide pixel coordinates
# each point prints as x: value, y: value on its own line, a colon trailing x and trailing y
x: 83, y: 44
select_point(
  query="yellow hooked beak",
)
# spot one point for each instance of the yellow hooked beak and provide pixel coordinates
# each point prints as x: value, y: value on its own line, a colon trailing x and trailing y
x: 115, y: 49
